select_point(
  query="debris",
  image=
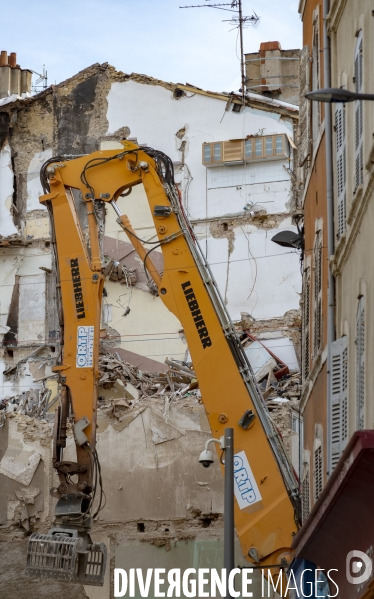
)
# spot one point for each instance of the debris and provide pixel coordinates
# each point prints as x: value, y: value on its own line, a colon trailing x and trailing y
x: 118, y: 273
x: 19, y: 465
x: 136, y: 384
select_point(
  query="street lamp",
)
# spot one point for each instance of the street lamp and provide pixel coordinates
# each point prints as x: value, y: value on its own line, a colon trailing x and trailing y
x: 336, y: 94
x: 226, y: 443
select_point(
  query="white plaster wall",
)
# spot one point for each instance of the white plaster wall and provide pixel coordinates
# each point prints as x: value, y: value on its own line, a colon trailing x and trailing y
x: 32, y: 308
x: 258, y: 277
x: 7, y: 226
x: 21, y: 262
x: 154, y: 117
x: 150, y: 329
x: 34, y: 188
x: 11, y: 386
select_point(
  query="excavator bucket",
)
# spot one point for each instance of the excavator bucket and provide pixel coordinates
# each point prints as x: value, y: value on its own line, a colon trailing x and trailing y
x: 67, y: 558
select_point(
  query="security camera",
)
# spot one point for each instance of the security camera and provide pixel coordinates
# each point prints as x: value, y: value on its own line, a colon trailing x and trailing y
x: 206, y: 458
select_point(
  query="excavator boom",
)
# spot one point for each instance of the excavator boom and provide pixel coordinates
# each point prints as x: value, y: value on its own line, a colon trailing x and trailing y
x: 267, y: 495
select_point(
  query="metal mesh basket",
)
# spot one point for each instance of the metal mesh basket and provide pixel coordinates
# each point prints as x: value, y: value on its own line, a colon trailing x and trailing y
x: 66, y: 558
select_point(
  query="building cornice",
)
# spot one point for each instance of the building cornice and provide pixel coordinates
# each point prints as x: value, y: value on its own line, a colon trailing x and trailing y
x: 335, y: 14
x: 301, y: 8
x: 355, y: 217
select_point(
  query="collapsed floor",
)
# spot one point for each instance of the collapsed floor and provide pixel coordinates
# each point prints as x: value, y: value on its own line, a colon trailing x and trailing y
x: 150, y: 426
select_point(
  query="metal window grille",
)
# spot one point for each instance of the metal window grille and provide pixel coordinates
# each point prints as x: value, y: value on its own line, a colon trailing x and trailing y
x: 317, y: 292
x: 305, y: 493
x: 360, y: 364
x: 318, y: 472
x: 306, y: 325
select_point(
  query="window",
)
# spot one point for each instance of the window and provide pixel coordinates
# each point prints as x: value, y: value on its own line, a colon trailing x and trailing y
x: 318, y: 463
x: 360, y: 364
x: 317, y: 292
x: 306, y: 325
x: 340, y: 139
x: 248, y: 148
x: 305, y: 492
x: 359, y: 161
x: 339, y: 407
x: 304, y: 106
x: 295, y: 423
x: 316, y: 110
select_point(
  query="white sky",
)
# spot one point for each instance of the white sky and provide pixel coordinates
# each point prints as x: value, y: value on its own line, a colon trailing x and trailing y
x: 154, y: 37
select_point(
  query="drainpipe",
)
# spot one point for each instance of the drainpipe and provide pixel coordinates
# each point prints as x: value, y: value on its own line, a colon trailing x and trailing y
x: 330, y: 229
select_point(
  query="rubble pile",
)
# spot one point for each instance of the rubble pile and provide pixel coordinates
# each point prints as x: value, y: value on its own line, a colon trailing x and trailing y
x: 178, y: 380
x: 125, y: 388
x: 287, y: 389
x: 117, y: 273
x: 34, y: 402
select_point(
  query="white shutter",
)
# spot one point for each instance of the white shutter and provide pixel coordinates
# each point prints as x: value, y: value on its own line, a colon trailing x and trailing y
x: 304, y: 106
x: 341, y: 166
x: 359, y: 128
x: 339, y: 408
x: 360, y: 365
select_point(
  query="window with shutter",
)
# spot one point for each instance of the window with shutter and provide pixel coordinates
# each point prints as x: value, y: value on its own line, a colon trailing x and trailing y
x: 306, y: 325
x: 360, y: 364
x: 318, y: 471
x: 339, y: 407
x: 359, y: 128
x: 304, y: 105
x: 340, y: 139
x: 316, y: 107
x: 317, y: 293
x: 305, y: 493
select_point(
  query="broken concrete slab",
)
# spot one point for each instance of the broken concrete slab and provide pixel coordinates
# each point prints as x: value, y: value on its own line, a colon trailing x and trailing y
x: 19, y: 465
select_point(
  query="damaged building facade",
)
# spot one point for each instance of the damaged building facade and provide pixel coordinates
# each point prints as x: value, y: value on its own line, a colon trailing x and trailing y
x: 235, y: 168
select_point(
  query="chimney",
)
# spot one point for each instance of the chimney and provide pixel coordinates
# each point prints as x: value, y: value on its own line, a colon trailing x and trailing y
x: 12, y: 60
x: 3, y: 58
x: 13, y: 79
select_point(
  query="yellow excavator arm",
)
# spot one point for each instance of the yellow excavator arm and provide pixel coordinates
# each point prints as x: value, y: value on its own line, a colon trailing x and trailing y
x: 267, y: 495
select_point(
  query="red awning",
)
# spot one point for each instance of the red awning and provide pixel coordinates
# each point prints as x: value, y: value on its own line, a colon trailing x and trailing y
x: 342, y: 520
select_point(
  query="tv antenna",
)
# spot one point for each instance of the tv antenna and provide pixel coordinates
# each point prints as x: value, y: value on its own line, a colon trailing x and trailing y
x: 41, y: 82
x: 239, y: 22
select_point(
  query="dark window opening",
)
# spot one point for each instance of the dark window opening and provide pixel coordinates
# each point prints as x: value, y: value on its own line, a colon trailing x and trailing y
x: 225, y: 226
x: 166, y: 530
x: 9, y: 353
x: 141, y: 527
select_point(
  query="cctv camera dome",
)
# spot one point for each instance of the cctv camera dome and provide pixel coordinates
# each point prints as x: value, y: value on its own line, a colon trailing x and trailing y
x: 206, y: 458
